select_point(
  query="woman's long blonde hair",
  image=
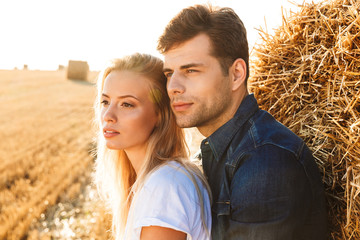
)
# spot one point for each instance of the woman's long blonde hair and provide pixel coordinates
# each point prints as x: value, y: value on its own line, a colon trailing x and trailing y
x: 114, y: 175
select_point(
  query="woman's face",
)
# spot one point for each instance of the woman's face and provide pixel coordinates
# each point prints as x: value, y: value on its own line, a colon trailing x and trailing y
x: 128, y: 114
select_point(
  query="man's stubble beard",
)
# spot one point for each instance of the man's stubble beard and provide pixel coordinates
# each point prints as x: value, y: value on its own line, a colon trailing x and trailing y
x: 204, y: 114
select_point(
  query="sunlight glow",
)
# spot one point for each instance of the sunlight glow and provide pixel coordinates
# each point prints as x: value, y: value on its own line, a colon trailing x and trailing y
x: 44, y: 34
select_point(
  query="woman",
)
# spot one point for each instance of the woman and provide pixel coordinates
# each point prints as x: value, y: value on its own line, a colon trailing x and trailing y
x: 142, y: 168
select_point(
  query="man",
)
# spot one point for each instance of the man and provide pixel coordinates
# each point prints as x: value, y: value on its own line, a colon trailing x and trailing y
x: 264, y: 180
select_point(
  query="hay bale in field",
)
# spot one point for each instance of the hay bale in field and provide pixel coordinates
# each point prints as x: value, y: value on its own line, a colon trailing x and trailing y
x: 77, y: 70
x: 307, y: 74
x: 61, y: 67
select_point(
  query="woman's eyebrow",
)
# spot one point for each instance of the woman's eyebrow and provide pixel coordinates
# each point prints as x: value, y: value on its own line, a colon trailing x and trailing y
x: 122, y: 96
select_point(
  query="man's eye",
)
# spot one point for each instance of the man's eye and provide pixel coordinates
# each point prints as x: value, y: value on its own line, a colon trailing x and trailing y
x: 168, y: 75
x: 191, y: 70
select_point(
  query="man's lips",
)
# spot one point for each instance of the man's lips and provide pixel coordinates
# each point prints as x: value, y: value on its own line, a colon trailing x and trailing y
x: 181, y: 106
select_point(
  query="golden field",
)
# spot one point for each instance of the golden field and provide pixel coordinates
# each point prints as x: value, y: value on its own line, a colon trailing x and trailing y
x: 46, y: 136
x: 46, y: 162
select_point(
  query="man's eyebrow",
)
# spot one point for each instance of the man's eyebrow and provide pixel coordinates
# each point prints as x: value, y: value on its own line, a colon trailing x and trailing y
x: 190, y: 65
x: 167, y: 70
x: 186, y: 66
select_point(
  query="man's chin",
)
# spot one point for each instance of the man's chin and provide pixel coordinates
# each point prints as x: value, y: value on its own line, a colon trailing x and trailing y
x: 184, y: 124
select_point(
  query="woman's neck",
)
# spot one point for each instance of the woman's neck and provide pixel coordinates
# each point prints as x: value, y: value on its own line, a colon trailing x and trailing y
x: 136, y: 157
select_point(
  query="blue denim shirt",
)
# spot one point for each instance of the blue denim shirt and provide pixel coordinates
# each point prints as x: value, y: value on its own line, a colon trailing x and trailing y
x: 264, y: 180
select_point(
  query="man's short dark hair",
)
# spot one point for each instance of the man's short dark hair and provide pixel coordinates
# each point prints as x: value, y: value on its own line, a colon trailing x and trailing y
x: 223, y: 26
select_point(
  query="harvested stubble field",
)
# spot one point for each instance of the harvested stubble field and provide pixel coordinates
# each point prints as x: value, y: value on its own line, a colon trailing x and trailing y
x: 45, y: 161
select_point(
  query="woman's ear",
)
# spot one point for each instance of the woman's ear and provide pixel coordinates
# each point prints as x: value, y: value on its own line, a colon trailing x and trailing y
x: 238, y: 73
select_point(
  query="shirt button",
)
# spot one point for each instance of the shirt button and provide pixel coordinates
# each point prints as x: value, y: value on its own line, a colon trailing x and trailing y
x: 206, y: 143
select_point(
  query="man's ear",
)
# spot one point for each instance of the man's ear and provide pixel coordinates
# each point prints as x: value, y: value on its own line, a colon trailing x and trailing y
x: 238, y: 73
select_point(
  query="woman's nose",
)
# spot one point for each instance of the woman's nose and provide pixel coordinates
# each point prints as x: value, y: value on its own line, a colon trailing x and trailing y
x: 109, y: 114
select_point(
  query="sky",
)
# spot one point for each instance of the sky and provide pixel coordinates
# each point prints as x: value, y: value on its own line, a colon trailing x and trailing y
x: 47, y: 33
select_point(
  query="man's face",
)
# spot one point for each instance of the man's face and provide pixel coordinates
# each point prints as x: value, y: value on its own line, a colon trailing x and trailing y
x: 199, y: 92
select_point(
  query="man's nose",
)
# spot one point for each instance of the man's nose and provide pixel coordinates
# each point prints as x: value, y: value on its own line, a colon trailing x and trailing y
x: 176, y: 84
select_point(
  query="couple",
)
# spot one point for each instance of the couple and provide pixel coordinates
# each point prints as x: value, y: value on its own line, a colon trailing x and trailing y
x: 259, y: 180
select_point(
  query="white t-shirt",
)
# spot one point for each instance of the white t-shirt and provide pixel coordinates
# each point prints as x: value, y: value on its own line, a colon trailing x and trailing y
x: 169, y: 199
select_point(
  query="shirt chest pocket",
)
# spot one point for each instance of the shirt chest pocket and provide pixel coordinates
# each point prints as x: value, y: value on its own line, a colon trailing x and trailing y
x: 222, y: 204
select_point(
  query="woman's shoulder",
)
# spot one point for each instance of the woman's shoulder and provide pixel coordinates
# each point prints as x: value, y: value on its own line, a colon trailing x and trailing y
x: 170, y: 175
x: 168, y: 198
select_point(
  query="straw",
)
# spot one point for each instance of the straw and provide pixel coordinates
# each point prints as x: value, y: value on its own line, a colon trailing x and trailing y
x: 307, y: 75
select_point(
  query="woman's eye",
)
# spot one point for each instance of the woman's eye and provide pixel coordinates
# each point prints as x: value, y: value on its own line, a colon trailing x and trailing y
x: 104, y: 102
x: 127, y: 105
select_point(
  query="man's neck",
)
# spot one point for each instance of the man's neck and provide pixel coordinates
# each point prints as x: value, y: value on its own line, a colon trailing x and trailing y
x: 210, y: 128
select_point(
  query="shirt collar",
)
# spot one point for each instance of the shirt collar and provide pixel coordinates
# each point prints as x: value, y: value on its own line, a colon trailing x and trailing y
x: 221, y: 138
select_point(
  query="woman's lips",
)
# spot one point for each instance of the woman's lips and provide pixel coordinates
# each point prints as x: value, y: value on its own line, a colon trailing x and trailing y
x: 110, y: 133
x: 181, y: 106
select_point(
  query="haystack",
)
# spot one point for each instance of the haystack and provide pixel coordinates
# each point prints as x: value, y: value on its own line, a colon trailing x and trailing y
x: 61, y: 67
x: 77, y: 70
x: 307, y: 74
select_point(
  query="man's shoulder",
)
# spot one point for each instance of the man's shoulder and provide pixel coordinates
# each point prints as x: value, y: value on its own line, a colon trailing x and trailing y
x: 262, y: 130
